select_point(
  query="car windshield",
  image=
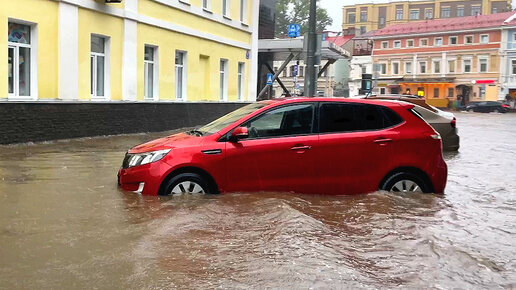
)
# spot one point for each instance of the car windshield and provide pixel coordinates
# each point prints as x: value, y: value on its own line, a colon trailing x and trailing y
x: 230, y: 118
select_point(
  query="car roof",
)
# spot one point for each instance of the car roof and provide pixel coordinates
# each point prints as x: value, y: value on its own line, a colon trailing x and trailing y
x: 411, y: 99
x: 328, y: 99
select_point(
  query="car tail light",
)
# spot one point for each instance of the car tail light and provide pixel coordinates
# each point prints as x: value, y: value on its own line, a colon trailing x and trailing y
x: 505, y: 106
x: 453, y: 122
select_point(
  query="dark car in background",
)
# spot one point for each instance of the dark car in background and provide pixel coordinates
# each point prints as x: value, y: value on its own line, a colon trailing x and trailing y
x: 487, y: 107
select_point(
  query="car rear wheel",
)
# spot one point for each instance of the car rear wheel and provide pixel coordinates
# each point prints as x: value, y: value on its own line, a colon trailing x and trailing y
x: 187, y: 184
x: 404, y: 182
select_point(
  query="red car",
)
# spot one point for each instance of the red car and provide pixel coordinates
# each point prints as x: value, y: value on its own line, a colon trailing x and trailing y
x: 303, y: 145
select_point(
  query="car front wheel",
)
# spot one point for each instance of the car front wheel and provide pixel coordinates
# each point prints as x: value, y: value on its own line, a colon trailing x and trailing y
x: 187, y: 184
x: 404, y: 182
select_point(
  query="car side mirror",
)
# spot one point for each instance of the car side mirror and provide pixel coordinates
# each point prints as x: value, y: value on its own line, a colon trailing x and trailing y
x: 239, y: 133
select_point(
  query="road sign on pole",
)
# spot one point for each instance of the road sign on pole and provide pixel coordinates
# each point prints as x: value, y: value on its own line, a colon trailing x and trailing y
x: 294, y: 30
x: 270, y: 79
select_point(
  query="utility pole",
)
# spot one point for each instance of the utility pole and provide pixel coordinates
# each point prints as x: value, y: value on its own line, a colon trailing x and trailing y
x: 311, y: 77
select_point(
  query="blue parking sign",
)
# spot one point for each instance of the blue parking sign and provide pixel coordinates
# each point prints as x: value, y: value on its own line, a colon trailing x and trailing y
x: 294, y: 30
x: 270, y: 79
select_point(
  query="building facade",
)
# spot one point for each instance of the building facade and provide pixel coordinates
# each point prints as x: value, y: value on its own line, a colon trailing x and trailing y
x: 293, y: 77
x: 136, y: 50
x: 442, y: 60
x: 362, y: 18
x: 508, y: 62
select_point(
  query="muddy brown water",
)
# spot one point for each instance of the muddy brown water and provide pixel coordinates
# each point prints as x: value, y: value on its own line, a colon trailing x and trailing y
x: 64, y: 224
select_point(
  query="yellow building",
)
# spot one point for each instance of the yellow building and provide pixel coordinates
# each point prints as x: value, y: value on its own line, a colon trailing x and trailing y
x: 361, y: 18
x: 136, y: 50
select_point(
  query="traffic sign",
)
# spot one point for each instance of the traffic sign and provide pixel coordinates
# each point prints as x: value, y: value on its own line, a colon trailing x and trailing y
x: 270, y: 79
x: 294, y: 30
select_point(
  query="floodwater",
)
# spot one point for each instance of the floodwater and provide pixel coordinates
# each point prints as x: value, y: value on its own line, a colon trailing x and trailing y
x: 64, y: 224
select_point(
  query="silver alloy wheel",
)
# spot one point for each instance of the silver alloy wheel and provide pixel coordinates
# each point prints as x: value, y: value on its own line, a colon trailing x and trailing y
x: 406, y: 186
x: 187, y: 187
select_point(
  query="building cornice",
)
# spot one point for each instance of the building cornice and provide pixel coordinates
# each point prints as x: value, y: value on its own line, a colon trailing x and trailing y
x: 439, y: 33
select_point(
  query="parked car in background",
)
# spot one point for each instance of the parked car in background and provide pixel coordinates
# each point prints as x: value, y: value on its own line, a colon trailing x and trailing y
x: 304, y: 145
x: 445, y: 123
x: 487, y: 107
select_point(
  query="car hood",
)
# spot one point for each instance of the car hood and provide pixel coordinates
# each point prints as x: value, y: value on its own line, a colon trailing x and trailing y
x: 169, y: 142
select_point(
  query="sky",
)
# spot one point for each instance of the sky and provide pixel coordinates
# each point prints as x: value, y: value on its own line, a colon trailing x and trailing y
x: 334, y: 8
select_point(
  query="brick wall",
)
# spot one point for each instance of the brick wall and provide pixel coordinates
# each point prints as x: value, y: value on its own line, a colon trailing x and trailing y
x: 33, y: 122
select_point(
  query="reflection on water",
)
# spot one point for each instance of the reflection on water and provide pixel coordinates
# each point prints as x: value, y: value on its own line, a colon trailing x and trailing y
x: 65, y: 224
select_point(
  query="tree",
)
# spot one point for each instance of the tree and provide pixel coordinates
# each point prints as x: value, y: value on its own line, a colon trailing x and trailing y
x: 298, y: 12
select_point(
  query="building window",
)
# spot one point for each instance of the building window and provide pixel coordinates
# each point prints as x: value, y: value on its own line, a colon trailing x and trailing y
x: 284, y: 73
x: 438, y: 41
x: 301, y: 71
x: 241, y: 74
x: 429, y: 13
x: 19, y: 50
x: 399, y: 14
x: 483, y: 65
x: 206, y: 4
x: 223, y: 72
x: 293, y: 71
x: 150, y: 79
x: 351, y: 18
x: 466, y: 65
x: 422, y: 67
x: 397, y: 44
x: 383, y: 68
x: 364, y: 69
x: 408, y: 67
x: 414, y: 14
x: 395, y: 68
x: 513, y: 64
x: 243, y: 11
x: 363, y: 16
x: 362, y: 30
x: 385, y: 44
x: 482, y: 92
x: 410, y: 43
x: 468, y: 39
x: 445, y: 12
x: 181, y: 67
x: 225, y: 7
x: 382, y: 91
x: 382, y: 22
x: 437, y: 66
x: 484, y: 38
x: 475, y: 10
x: 451, y: 66
x: 494, y: 10
x: 423, y: 42
x: 436, y: 92
x: 450, y: 92
x: 452, y: 40
x: 460, y: 11
x: 98, y: 66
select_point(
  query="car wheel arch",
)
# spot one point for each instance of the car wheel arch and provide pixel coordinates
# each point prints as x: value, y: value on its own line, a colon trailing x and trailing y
x: 189, y: 169
x: 411, y: 170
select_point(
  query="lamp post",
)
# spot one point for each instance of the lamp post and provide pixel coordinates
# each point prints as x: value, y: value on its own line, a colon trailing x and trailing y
x: 311, y: 75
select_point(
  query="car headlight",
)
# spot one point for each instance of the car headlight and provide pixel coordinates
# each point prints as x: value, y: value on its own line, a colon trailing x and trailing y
x: 145, y: 158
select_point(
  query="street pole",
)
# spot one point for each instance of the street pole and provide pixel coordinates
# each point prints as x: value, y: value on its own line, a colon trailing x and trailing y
x: 311, y: 77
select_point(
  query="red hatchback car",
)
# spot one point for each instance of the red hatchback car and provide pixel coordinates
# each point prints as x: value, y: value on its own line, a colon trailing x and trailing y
x: 303, y: 145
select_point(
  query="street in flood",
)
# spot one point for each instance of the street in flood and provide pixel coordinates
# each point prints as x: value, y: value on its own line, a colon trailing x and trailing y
x: 65, y: 224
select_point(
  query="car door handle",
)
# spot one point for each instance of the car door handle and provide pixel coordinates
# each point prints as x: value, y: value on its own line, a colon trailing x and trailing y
x: 301, y: 147
x: 382, y: 140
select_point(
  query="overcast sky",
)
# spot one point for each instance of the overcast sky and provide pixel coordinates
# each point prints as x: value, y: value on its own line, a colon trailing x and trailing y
x: 334, y: 8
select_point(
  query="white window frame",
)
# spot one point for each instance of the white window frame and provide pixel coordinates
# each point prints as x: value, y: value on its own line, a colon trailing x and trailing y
x: 435, y: 41
x: 472, y: 39
x: 407, y: 42
x: 486, y: 58
x: 408, y: 64
x: 206, y: 7
x: 460, y: 8
x: 431, y: 13
x: 470, y: 65
x: 226, y: 12
x: 241, y: 81
x: 396, y: 42
x: 476, y: 6
x: 392, y: 68
x: 223, y: 79
x: 107, y: 70
x: 243, y: 11
x: 449, y: 11
x: 418, y: 12
x: 155, y: 77
x: 456, y: 40
x: 454, y: 66
x: 421, y: 42
x: 384, y: 45
x: 399, y: 14
x: 33, y: 95
x: 434, y: 62
x: 184, y: 75
x: 419, y: 67
x: 482, y: 35
x: 513, y: 66
x: 381, y: 68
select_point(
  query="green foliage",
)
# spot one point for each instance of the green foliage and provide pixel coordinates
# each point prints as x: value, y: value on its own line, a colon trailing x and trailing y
x: 298, y: 12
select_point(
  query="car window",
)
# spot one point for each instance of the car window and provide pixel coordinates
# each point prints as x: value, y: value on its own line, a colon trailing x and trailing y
x: 284, y: 121
x: 230, y: 118
x: 345, y: 117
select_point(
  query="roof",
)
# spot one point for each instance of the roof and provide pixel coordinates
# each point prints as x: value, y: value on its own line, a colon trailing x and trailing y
x: 448, y: 24
x: 339, y: 40
x: 280, y: 49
